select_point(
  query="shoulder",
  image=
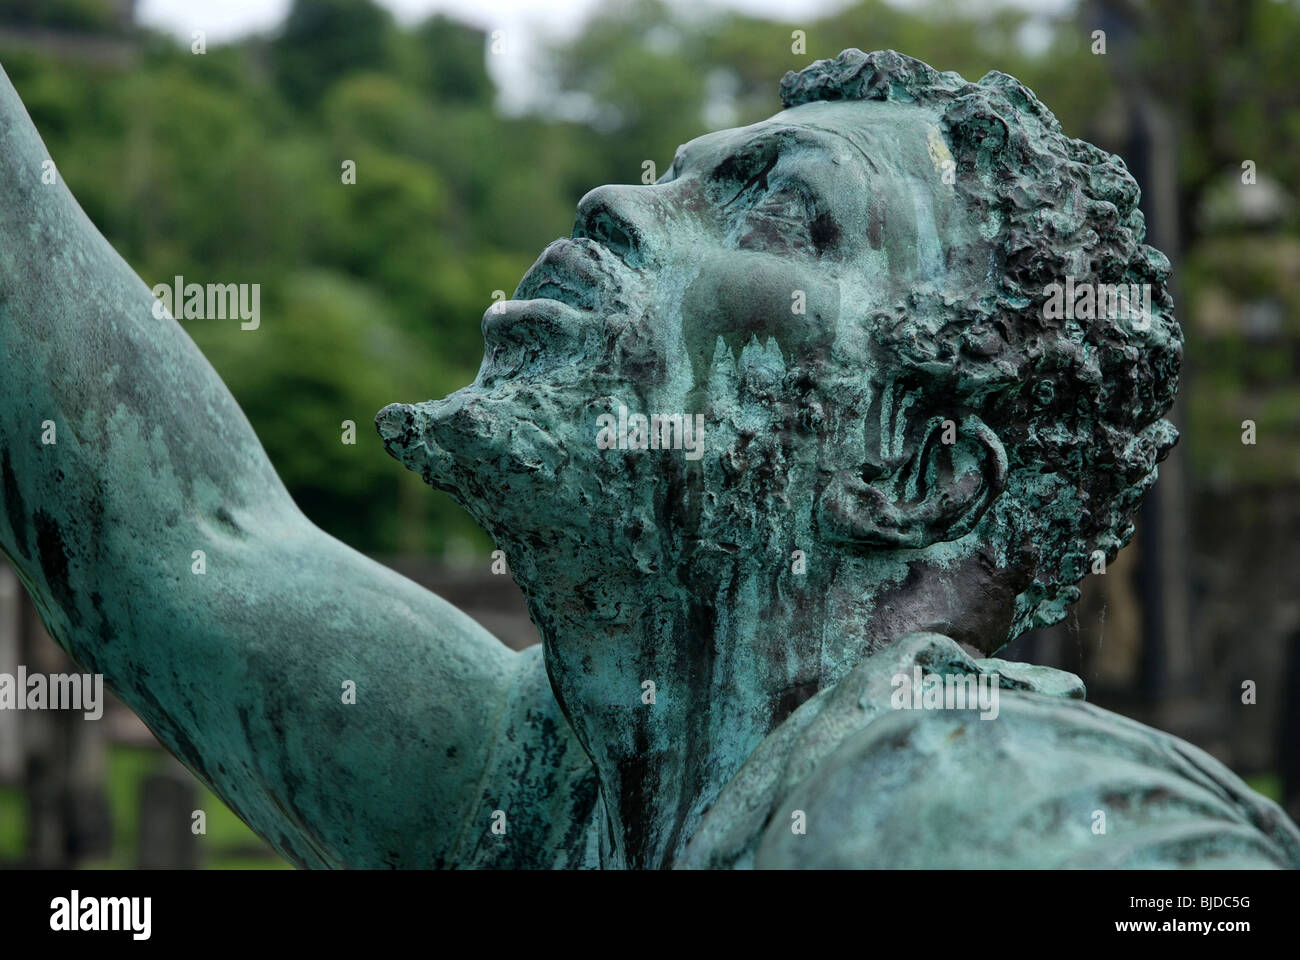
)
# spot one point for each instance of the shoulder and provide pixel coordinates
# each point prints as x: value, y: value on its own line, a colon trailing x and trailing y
x: 1048, y: 781
x: 758, y: 802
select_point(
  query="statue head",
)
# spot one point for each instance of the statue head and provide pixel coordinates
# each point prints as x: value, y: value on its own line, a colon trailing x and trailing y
x: 904, y: 335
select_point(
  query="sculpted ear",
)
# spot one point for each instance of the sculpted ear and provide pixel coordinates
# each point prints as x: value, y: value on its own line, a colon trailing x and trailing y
x: 935, y: 492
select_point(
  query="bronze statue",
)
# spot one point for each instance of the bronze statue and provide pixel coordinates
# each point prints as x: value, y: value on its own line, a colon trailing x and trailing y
x: 781, y: 449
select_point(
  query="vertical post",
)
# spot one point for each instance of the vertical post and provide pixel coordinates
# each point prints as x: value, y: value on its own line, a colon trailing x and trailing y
x: 11, y: 744
x: 1168, y: 659
x: 68, y: 818
x: 166, y: 838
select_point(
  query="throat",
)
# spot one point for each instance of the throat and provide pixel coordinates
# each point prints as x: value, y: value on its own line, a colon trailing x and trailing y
x: 678, y: 717
x: 670, y: 690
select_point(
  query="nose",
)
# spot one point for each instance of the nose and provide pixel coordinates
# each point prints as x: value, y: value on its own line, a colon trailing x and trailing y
x: 618, y: 217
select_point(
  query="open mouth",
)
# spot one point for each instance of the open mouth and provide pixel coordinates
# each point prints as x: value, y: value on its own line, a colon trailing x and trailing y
x: 574, y: 270
x: 575, y: 282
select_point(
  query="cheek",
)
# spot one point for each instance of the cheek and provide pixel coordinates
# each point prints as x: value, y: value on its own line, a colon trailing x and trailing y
x: 738, y: 295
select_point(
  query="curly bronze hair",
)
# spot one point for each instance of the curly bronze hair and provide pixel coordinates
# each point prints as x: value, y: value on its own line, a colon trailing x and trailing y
x: 1078, y: 403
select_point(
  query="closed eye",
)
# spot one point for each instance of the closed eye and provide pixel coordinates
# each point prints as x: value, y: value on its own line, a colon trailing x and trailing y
x: 757, y: 183
x: 674, y: 169
x: 780, y: 220
x: 788, y: 202
x: 749, y: 167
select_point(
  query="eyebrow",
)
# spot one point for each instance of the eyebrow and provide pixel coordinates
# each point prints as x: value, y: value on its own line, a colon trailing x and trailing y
x: 859, y: 148
x: 687, y: 153
x: 792, y: 133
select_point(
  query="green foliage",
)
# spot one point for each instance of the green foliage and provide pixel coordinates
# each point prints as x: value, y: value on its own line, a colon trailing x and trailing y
x: 227, y: 167
x: 93, y: 15
x: 228, y: 843
x: 324, y: 40
x: 450, y: 61
x: 209, y: 168
x: 1228, y: 73
x: 13, y: 825
x: 636, y: 64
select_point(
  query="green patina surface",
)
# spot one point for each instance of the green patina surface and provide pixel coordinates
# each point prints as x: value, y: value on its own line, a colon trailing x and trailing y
x: 902, y: 460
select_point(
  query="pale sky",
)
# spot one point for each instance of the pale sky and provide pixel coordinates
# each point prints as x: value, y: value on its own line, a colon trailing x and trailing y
x: 223, y: 19
x: 523, y: 22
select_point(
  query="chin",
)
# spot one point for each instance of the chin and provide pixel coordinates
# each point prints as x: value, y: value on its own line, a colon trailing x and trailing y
x: 491, y: 447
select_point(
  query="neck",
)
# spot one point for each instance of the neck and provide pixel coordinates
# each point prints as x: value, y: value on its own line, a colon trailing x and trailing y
x: 672, y: 700
x: 674, y: 697
x: 675, y: 726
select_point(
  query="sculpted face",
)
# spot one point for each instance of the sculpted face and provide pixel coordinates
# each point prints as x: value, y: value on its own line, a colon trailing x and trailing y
x: 889, y: 433
x: 786, y: 229
x: 787, y: 236
x: 846, y: 305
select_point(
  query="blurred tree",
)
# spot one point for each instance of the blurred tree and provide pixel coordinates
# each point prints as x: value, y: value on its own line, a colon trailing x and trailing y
x: 324, y: 40
x: 95, y: 16
x: 1227, y: 70
x: 635, y: 69
x: 329, y: 353
x: 450, y: 62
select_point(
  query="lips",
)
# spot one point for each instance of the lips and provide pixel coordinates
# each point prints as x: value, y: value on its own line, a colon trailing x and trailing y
x: 530, y: 334
x: 577, y: 271
x: 524, y: 322
x: 559, y: 304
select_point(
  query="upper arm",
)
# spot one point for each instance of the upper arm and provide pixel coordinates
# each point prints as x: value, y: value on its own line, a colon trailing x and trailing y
x: 242, y: 669
x: 344, y: 712
x: 539, y: 789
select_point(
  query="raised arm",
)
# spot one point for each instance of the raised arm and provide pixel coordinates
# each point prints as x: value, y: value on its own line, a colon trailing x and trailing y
x: 239, y: 670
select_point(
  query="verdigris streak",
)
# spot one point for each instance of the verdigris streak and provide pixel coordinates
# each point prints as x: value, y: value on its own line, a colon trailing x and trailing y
x: 901, y: 457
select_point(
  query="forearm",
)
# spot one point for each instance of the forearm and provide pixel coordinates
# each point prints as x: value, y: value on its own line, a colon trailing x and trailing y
x: 238, y: 668
x: 115, y: 433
